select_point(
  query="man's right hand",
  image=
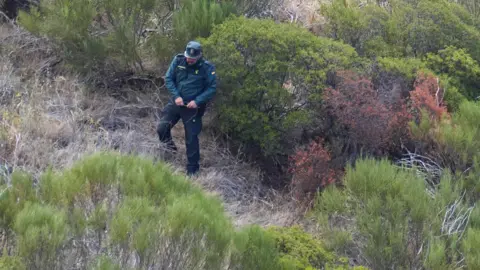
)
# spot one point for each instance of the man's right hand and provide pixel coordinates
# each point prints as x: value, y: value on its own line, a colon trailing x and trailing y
x: 179, y: 101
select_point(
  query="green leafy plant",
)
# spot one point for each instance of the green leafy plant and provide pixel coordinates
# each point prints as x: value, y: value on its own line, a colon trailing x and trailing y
x: 270, y: 75
x: 459, y: 67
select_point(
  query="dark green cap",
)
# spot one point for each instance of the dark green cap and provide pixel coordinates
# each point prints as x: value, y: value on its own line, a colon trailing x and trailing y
x: 193, y: 50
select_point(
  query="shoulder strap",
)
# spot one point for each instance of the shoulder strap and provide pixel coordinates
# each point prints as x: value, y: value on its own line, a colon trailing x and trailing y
x: 179, y: 57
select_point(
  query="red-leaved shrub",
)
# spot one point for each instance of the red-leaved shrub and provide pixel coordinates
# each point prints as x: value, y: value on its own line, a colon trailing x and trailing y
x: 365, y: 122
x: 428, y: 95
x: 311, y: 169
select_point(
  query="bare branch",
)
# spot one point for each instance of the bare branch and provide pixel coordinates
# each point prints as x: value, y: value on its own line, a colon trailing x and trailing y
x: 456, y: 218
x: 425, y: 167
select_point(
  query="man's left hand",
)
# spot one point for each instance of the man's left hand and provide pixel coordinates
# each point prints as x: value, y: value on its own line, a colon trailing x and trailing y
x: 192, y: 105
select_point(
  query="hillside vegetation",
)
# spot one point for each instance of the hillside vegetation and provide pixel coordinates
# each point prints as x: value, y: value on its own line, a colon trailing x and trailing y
x: 344, y: 135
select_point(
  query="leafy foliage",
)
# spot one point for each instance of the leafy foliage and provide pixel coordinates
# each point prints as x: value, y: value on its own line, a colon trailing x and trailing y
x: 270, y: 73
x: 453, y: 141
x: 255, y: 249
x: 401, y: 28
x: 462, y: 71
x: 303, y: 251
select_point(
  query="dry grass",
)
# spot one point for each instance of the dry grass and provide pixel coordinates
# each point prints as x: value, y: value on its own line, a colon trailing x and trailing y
x: 301, y: 11
x: 53, y: 121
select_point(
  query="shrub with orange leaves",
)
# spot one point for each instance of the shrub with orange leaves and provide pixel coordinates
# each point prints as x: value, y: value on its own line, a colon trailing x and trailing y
x: 428, y: 95
x: 428, y: 109
x: 363, y: 120
x: 311, y: 169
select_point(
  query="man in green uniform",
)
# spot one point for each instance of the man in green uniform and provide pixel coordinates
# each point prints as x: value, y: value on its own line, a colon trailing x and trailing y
x: 191, y: 81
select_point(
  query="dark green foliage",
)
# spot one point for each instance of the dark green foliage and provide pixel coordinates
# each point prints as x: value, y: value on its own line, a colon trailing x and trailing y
x: 452, y: 95
x: 471, y: 6
x: 461, y: 70
x: 370, y: 31
x: 459, y: 145
x: 270, y: 74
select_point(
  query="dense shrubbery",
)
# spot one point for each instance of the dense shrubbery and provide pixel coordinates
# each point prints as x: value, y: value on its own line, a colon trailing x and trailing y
x: 461, y: 70
x: 384, y: 78
x: 124, y: 211
x: 386, y: 219
x: 128, y: 208
x: 271, y: 77
x: 402, y: 28
x: 119, y: 36
x: 423, y: 67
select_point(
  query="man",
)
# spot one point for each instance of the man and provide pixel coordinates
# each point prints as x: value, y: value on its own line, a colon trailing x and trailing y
x: 191, y: 81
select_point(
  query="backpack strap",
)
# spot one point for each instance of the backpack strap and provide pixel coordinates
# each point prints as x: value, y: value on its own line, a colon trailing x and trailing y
x: 179, y: 57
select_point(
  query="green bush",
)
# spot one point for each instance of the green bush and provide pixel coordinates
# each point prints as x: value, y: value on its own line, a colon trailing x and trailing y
x: 271, y: 74
x: 459, y: 144
x: 40, y: 230
x: 286, y: 247
x: 301, y: 250
x: 255, y: 249
x: 196, y: 19
x: 67, y: 23
x: 461, y: 69
x: 404, y: 67
x: 385, y: 213
x: 452, y: 96
x: 403, y: 28
x: 111, y: 211
x: 370, y: 30
x: 121, y: 35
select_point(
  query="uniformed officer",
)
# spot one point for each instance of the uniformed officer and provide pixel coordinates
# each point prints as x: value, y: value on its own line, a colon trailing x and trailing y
x: 191, y: 81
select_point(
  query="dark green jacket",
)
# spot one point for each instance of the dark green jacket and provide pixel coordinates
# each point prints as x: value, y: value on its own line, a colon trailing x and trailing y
x: 196, y: 82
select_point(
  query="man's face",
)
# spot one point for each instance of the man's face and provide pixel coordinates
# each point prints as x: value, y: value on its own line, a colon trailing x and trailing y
x: 191, y: 61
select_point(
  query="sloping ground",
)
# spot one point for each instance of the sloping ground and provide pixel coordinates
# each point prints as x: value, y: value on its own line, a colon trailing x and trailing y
x: 55, y: 121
